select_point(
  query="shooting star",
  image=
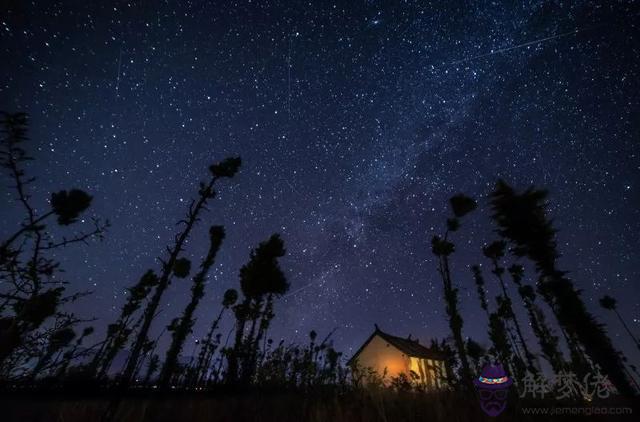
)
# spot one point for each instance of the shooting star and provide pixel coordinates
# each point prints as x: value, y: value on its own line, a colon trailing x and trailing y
x: 295, y: 292
x: 292, y: 187
x: 538, y: 41
x: 118, y: 77
x: 319, y: 280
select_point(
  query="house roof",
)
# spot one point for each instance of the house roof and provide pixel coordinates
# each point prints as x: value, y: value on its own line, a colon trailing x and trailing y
x: 406, y: 345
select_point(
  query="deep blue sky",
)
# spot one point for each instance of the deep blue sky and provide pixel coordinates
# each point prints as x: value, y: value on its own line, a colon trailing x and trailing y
x: 356, y: 121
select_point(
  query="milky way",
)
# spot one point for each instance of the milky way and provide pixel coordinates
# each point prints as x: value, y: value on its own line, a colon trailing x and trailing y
x: 356, y: 121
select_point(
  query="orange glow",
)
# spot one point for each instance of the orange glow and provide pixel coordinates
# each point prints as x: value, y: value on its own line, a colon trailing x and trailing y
x: 394, y: 367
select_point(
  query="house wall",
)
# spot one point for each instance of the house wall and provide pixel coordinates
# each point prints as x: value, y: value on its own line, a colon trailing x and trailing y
x: 379, y: 354
x: 431, y: 372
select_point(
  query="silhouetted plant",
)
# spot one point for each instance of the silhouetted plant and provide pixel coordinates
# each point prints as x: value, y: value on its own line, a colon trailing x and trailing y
x: 118, y: 333
x: 502, y: 346
x: 634, y: 369
x: 152, y: 368
x: 182, y: 268
x: 226, y: 169
x: 31, y: 288
x: 208, y: 345
x: 443, y: 248
x: 462, y: 205
x: 260, y: 278
x: 610, y: 304
x: 546, y: 338
x: 476, y: 353
x: 184, y: 326
x: 148, y: 351
x: 57, y: 341
x: 521, y: 218
x: 480, y: 288
x: 497, y: 350
x: 68, y: 206
x: 72, y: 353
x: 443, y: 348
x: 402, y: 383
x: 495, y: 252
x: 297, y: 367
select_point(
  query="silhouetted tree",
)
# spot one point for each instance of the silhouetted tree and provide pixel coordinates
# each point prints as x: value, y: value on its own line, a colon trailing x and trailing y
x: 31, y: 288
x: 443, y: 248
x: 118, y: 333
x: 502, y: 348
x: 495, y: 252
x: 546, y: 338
x: 480, y: 288
x: 208, y: 346
x: 637, y: 374
x: 58, y: 340
x: 521, y: 218
x: 497, y: 337
x: 260, y: 278
x: 152, y: 367
x: 503, y: 310
x: 174, y: 264
x: 185, y: 324
x: 148, y: 351
x: 72, y: 354
x: 302, y: 367
x: 610, y: 304
x: 476, y: 353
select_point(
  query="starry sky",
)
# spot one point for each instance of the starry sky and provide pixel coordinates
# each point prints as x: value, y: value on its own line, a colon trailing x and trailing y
x: 356, y: 121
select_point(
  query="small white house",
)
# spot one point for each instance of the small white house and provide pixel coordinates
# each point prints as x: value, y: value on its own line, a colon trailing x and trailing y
x: 389, y: 356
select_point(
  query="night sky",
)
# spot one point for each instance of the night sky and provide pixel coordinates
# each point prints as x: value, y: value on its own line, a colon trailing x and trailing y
x: 356, y: 121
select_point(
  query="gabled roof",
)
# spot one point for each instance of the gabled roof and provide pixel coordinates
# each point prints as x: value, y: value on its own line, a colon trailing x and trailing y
x: 408, y: 347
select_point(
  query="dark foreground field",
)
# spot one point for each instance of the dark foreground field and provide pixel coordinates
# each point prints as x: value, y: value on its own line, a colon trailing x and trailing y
x: 350, y: 407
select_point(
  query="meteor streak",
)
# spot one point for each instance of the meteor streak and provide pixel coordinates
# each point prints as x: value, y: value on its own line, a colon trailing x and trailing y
x: 118, y: 77
x: 503, y: 50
